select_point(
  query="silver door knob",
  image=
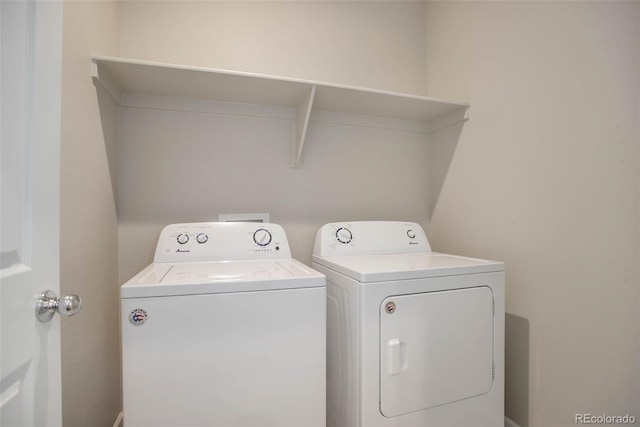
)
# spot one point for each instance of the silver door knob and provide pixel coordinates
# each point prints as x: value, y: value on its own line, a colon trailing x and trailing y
x: 48, y: 304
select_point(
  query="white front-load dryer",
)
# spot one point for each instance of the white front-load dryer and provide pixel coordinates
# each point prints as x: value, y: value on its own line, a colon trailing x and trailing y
x: 414, y: 338
x: 224, y: 328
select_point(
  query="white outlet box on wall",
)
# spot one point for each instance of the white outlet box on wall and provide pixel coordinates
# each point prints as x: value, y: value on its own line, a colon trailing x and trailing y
x: 248, y: 217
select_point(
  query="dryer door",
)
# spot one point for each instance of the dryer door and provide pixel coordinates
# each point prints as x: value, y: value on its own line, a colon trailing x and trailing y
x: 435, y: 348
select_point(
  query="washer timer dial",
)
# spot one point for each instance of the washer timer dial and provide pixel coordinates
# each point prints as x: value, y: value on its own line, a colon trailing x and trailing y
x: 182, y: 238
x: 262, y: 237
x: 344, y: 235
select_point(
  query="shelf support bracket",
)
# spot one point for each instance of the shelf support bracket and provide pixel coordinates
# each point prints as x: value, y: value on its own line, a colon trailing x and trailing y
x: 101, y: 76
x: 303, y: 112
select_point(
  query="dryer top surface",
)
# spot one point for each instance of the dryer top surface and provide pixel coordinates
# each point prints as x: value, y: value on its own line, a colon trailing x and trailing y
x: 389, y: 267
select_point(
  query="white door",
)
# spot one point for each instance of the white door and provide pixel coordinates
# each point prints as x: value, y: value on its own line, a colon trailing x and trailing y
x: 31, y: 39
x: 435, y: 348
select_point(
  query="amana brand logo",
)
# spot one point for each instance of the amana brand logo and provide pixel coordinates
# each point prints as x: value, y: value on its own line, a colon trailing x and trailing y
x: 138, y: 316
x: 183, y: 250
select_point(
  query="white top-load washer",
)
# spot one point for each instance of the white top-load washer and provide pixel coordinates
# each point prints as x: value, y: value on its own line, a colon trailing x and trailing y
x: 224, y: 328
x: 414, y: 338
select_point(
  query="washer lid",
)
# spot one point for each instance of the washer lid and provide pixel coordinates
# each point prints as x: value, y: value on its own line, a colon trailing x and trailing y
x: 190, y: 278
x: 388, y: 267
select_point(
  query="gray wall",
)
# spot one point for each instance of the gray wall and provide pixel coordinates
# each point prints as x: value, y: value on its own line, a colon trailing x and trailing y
x: 545, y: 177
x: 88, y: 223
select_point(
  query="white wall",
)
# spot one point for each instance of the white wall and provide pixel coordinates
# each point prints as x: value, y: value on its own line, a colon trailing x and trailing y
x: 545, y: 177
x: 187, y: 166
x: 88, y: 228
x: 364, y: 43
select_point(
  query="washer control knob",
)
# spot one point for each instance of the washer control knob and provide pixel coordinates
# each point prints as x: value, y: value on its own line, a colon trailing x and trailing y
x: 411, y: 234
x: 344, y: 235
x: 202, y: 238
x: 262, y: 237
x: 183, y: 238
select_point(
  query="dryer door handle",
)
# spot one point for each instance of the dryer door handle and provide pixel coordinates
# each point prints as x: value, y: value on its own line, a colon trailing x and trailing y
x: 393, y: 356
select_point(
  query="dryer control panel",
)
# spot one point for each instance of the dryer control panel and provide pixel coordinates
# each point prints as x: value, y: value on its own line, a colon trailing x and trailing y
x: 221, y: 241
x: 370, y: 237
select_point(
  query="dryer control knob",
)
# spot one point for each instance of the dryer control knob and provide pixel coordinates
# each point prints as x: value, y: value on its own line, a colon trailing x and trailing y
x: 262, y: 237
x: 183, y: 238
x: 411, y: 234
x: 344, y: 235
x: 202, y: 238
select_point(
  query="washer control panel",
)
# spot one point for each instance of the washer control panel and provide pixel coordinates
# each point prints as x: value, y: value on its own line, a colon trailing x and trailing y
x: 370, y: 237
x: 221, y: 241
